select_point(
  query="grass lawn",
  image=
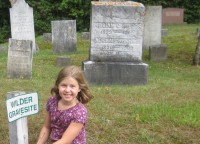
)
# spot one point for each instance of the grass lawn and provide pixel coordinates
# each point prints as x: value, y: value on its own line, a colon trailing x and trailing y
x: 164, y: 111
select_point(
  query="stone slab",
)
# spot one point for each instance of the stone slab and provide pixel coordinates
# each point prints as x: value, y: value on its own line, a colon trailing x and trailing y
x: 117, y: 31
x: 47, y: 37
x: 85, y: 35
x: 22, y: 22
x: 173, y: 16
x: 64, y: 38
x: 158, y: 52
x: 152, y: 26
x: 19, y: 64
x: 63, y: 61
x: 115, y: 72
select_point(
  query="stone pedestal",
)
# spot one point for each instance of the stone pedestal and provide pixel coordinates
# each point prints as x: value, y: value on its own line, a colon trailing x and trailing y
x: 116, y: 72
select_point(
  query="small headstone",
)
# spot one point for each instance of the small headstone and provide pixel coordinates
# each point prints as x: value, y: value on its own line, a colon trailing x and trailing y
x: 64, y: 37
x: 173, y: 16
x: 152, y: 26
x: 3, y: 48
x: 20, y: 55
x: 164, y: 32
x: 158, y: 52
x: 85, y: 36
x: 22, y: 22
x: 63, y: 61
x: 47, y: 37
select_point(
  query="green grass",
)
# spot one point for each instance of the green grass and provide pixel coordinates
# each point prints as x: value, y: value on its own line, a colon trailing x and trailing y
x: 164, y: 111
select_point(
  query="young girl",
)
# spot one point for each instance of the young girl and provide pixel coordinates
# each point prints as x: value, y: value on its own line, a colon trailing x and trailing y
x: 66, y: 116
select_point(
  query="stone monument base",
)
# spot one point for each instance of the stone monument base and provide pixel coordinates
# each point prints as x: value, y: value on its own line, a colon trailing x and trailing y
x: 115, y: 72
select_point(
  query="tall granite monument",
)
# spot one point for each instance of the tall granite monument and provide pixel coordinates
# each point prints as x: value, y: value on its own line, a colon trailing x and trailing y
x: 22, y: 22
x: 116, y: 44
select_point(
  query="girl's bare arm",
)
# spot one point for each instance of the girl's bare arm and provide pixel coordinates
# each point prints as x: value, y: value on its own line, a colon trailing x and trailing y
x: 45, y: 131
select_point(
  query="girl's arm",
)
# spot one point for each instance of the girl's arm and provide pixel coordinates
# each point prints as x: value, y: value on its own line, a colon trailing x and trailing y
x: 45, y: 131
x: 70, y: 134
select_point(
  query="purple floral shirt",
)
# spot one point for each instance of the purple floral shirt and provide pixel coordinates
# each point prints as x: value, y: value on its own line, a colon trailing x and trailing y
x: 60, y: 120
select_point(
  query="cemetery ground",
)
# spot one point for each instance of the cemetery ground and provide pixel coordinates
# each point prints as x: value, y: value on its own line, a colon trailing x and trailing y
x: 164, y: 111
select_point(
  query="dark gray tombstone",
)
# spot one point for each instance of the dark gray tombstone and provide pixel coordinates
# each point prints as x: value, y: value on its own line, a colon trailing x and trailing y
x: 20, y: 55
x: 22, y: 22
x: 64, y: 37
x: 164, y: 32
x: 158, y: 52
x: 63, y: 61
x: 116, y: 44
x: 47, y: 37
x: 3, y: 48
x: 85, y: 36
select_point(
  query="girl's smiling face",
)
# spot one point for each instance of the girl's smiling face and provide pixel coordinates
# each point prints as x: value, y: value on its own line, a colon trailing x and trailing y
x: 68, y: 90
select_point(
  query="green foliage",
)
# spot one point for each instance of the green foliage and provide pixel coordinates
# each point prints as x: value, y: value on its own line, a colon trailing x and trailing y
x: 46, y: 11
x: 4, y: 21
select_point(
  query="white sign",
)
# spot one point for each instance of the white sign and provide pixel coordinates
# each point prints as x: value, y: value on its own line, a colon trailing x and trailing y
x: 21, y: 106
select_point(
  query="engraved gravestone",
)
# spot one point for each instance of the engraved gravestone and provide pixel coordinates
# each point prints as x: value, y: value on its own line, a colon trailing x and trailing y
x: 172, y: 16
x: 117, y: 32
x: 64, y: 37
x: 116, y: 44
x: 152, y: 26
x: 19, y: 64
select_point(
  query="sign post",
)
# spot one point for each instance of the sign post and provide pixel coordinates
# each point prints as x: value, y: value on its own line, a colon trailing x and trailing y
x: 19, y: 106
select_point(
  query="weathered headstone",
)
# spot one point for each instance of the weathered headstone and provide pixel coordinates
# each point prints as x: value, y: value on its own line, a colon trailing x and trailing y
x: 164, y: 32
x: 85, y: 36
x: 152, y: 26
x: 63, y: 61
x: 22, y: 22
x: 172, y: 16
x: 64, y: 37
x: 116, y: 44
x: 3, y: 48
x: 158, y: 52
x: 47, y: 37
x: 12, y: 2
x: 20, y: 55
